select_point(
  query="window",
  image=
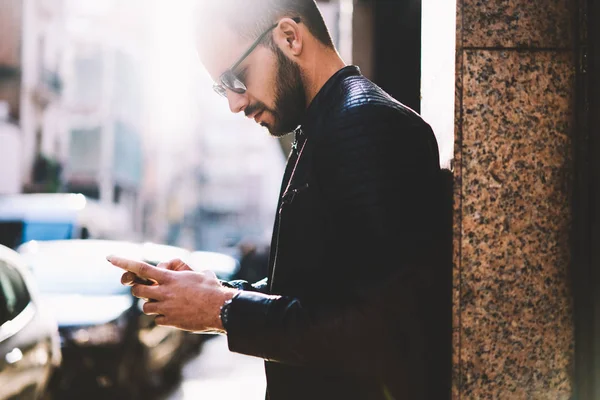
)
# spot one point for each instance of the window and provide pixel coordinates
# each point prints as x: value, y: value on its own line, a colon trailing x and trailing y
x: 13, y: 293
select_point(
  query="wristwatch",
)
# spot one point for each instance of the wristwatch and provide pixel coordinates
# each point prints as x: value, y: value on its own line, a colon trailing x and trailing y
x: 225, y: 312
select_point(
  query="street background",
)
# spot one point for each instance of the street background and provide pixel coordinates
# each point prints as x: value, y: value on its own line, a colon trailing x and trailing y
x: 220, y: 374
x: 112, y: 138
x: 109, y: 130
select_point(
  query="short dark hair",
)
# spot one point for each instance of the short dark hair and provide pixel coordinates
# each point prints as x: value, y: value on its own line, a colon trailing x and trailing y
x: 250, y: 18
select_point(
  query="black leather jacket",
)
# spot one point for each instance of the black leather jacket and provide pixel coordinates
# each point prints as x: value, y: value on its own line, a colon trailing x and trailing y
x: 348, y: 308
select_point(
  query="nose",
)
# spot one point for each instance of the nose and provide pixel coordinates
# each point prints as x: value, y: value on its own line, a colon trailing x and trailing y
x: 237, y: 102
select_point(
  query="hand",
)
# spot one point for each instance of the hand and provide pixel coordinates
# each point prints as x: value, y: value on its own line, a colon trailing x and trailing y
x: 181, y: 298
x: 129, y: 278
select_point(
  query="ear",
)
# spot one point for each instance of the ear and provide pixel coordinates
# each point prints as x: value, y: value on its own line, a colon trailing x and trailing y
x: 289, y: 37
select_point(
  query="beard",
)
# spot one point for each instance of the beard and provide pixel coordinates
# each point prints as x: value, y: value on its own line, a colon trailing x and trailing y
x: 290, y: 96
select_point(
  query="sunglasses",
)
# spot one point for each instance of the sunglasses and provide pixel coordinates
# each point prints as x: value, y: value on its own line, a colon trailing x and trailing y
x: 228, y: 80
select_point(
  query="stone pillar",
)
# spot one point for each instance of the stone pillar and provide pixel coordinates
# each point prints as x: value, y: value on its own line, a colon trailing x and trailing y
x: 513, y: 328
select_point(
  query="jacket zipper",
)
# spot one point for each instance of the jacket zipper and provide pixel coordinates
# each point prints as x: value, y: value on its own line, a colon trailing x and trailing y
x: 298, y: 132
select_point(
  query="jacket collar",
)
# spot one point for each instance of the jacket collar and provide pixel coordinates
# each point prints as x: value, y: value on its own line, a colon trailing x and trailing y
x: 323, y: 96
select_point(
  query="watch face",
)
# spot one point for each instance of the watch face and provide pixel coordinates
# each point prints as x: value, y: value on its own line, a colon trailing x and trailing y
x: 225, y: 313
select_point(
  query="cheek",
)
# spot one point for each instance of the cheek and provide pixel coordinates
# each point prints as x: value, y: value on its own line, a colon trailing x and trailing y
x: 262, y: 90
x: 262, y: 81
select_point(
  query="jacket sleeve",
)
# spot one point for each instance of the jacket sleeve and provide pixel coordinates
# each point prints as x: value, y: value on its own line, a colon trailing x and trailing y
x: 261, y: 286
x: 374, y: 174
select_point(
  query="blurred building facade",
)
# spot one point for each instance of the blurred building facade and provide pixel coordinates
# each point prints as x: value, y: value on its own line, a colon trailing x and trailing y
x: 70, y: 75
x: 106, y: 100
x: 11, y: 32
x: 225, y: 190
x: 31, y: 86
x: 10, y: 83
x: 10, y: 151
x: 104, y: 57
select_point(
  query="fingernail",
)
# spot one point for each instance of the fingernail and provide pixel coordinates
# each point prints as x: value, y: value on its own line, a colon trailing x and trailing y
x: 109, y: 258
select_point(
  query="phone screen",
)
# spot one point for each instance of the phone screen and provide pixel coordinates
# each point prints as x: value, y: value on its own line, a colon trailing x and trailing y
x: 143, y: 281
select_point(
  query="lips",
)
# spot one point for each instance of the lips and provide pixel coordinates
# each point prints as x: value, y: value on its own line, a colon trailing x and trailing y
x: 257, y: 116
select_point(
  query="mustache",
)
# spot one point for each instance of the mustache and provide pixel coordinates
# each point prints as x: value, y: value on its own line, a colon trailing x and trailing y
x: 251, y: 109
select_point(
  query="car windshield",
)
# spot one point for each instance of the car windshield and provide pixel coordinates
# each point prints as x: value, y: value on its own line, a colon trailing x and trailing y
x: 47, y: 231
x: 14, y: 233
x: 72, y: 270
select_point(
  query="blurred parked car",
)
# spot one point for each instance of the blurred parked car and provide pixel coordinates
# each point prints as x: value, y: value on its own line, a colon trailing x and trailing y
x: 26, y: 217
x: 29, y: 340
x: 108, y: 344
x: 224, y: 266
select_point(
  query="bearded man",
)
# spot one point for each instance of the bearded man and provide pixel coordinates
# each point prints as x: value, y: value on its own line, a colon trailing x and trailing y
x: 348, y: 309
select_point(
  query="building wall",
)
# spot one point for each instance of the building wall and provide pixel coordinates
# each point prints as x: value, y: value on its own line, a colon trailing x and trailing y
x: 513, y: 328
x: 10, y: 151
x: 11, y: 15
x: 41, y: 113
x: 10, y: 32
x: 105, y: 48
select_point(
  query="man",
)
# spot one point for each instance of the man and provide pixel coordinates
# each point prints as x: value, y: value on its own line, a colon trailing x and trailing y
x: 348, y: 309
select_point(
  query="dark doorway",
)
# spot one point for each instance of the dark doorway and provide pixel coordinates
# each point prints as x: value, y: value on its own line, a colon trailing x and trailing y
x: 396, y: 67
x: 586, y: 205
x: 397, y: 49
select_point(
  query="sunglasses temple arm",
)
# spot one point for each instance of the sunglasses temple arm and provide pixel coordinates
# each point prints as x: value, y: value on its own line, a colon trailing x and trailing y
x: 254, y: 46
x: 257, y: 42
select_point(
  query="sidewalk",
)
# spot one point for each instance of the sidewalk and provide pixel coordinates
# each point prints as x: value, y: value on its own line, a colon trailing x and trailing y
x: 218, y: 374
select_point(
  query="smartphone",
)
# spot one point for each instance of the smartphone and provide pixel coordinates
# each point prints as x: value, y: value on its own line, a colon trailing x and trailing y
x: 143, y: 281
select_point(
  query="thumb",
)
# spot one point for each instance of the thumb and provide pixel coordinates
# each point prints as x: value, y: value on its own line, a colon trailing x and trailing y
x: 210, y: 275
x: 175, y: 265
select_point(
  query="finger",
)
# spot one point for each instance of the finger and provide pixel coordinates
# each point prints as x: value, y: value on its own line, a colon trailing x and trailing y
x: 161, y: 320
x: 152, y: 308
x: 148, y: 292
x: 128, y: 278
x: 163, y: 265
x: 210, y: 275
x: 139, y: 268
x: 175, y: 265
x: 143, y: 281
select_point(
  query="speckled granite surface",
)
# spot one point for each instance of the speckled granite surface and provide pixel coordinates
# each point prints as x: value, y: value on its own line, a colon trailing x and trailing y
x: 514, y: 23
x: 513, y: 329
